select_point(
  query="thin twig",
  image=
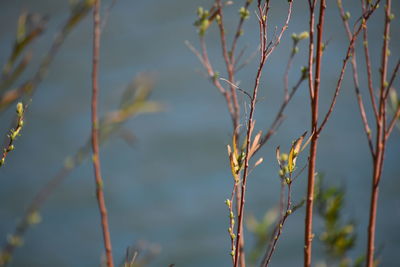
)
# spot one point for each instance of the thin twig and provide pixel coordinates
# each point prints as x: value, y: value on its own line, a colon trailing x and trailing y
x: 392, y: 123
x: 392, y: 79
x: 279, y: 227
x: 14, y: 132
x: 344, y: 65
x: 230, y: 66
x: 368, y: 63
x: 95, y: 135
x: 360, y: 101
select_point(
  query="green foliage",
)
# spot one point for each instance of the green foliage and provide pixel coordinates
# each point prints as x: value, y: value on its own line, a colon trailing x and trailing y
x: 141, y: 254
x: 338, y: 236
x: 134, y: 101
x: 29, y: 28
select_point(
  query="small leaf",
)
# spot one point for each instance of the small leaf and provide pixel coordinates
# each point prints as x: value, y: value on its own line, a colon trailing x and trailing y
x: 256, y: 144
x: 259, y: 161
x: 294, y: 151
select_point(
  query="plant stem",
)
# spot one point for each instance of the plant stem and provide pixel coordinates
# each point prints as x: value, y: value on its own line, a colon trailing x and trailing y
x: 381, y: 138
x: 314, y: 128
x: 279, y: 227
x: 95, y: 135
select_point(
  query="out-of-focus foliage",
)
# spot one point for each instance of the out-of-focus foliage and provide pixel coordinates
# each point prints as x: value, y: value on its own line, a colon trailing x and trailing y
x: 262, y: 232
x: 29, y: 28
x: 134, y: 101
x: 141, y: 254
x: 338, y: 235
x: 395, y: 102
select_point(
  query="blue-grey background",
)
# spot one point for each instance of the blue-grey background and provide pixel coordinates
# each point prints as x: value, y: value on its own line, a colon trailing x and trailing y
x: 170, y: 188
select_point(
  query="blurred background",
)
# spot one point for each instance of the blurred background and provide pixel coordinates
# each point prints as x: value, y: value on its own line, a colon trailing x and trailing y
x: 167, y: 189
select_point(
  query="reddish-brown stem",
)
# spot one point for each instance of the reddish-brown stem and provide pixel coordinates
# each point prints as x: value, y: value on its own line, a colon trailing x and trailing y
x: 314, y: 126
x: 230, y: 67
x: 368, y: 63
x: 95, y: 135
x: 381, y: 138
x: 374, y: 192
x: 311, y: 49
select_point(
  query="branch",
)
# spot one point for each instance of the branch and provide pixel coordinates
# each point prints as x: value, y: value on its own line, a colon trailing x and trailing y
x: 368, y: 63
x: 350, y: 48
x: 14, y: 133
x: 360, y: 101
x: 95, y: 135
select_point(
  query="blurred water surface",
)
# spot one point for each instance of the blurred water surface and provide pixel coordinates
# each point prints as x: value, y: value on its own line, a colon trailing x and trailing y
x: 170, y: 187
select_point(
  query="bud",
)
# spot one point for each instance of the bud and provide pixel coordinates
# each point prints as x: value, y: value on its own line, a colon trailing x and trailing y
x: 347, y: 15
x: 20, y: 109
x: 284, y: 157
x: 244, y: 13
x: 303, y: 35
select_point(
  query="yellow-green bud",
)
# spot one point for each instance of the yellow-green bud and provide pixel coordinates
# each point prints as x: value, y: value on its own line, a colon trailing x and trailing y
x: 347, y: 15
x: 303, y: 35
x: 34, y: 218
x: 284, y: 157
x: 244, y: 13
x: 20, y: 109
x: 15, y: 240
